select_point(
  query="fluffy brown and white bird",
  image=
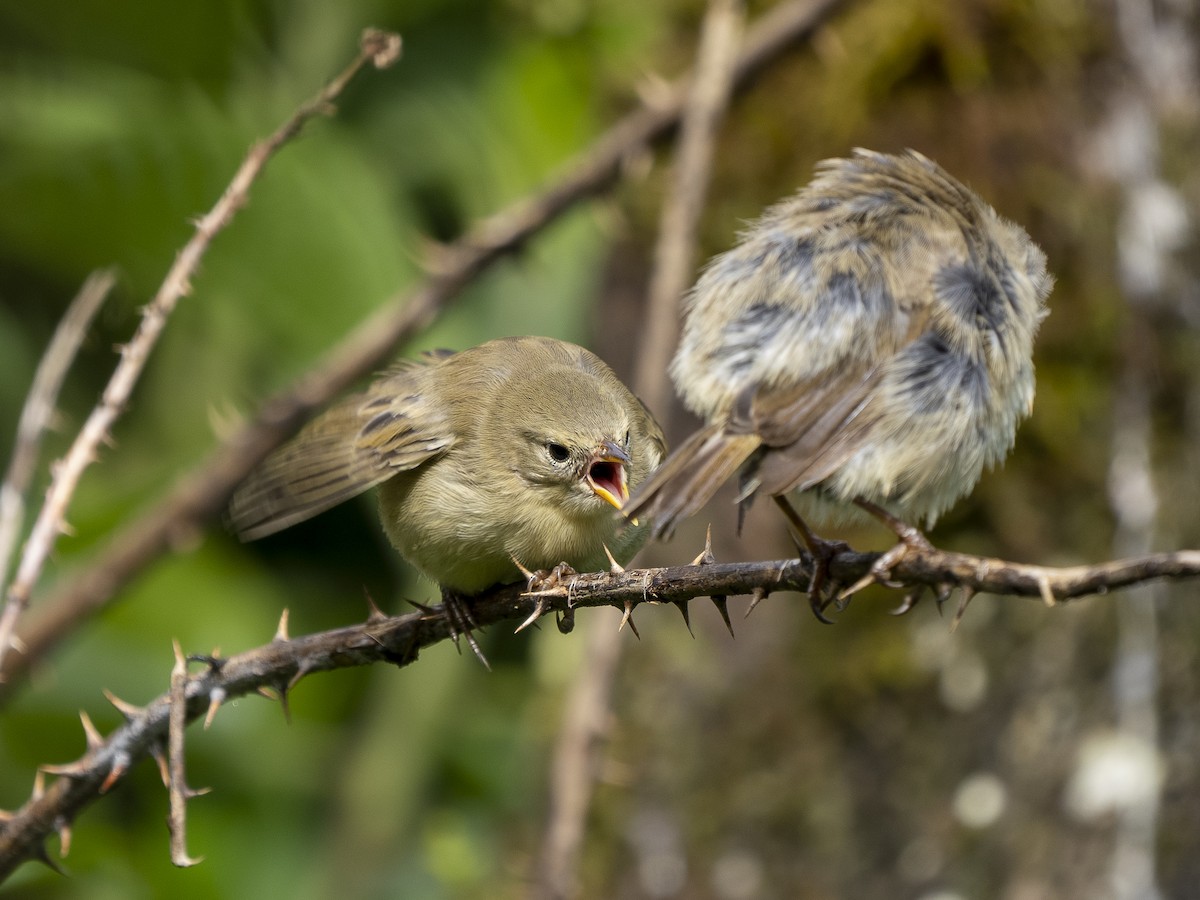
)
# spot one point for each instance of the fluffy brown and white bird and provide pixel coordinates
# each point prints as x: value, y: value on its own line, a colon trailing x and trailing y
x: 866, y: 346
x: 510, y: 454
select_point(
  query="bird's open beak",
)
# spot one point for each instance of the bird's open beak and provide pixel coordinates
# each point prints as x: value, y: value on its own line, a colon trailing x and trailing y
x: 606, y: 474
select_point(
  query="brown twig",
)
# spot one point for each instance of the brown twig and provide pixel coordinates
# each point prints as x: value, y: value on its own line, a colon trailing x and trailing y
x: 397, y: 640
x: 377, y: 47
x: 580, y: 741
x: 38, y: 413
x: 202, y: 494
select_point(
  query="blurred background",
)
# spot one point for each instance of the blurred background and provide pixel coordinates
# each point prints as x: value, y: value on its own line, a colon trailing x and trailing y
x: 1033, y: 753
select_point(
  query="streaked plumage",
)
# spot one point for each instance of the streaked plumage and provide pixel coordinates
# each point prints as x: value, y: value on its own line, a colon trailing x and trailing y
x: 870, y: 337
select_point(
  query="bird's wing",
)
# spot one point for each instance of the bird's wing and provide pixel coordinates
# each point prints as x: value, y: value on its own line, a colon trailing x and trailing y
x: 809, y: 430
x: 396, y: 424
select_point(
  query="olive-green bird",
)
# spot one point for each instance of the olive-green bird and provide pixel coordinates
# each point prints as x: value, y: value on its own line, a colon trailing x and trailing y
x: 515, y: 451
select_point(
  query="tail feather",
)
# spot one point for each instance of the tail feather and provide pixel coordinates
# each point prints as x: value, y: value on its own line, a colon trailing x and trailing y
x: 690, y: 476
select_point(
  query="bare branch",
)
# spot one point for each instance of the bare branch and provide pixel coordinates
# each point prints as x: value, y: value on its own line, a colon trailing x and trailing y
x: 38, y: 413
x: 377, y: 47
x: 399, y: 639
x: 201, y: 495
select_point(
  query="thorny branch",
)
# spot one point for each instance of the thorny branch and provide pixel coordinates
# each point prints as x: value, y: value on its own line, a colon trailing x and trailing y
x: 381, y: 49
x: 201, y: 494
x: 281, y: 664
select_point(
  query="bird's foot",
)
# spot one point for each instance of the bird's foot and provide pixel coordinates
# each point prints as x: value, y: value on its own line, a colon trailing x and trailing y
x: 542, y: 582
x: 912, y: 540
x: 822, y: 553
x: 461, y: 623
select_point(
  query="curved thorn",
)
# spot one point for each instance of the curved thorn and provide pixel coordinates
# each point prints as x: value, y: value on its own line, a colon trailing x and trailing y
x: 281, y: 630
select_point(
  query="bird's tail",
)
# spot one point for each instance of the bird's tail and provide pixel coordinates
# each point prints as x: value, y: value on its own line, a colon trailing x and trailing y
x: 690, y: 476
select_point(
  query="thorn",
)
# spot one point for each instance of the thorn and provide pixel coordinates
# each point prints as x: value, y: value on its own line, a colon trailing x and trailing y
x: 281, y: 631
x: 119, y: 767
x: 94, y: 739
x: 529, y: 576
x: 283, y: 702
x: 613, y: 566
x: 538, y: 611
x: 126, y: 709
x: 1046, y: 590
x: 720, y: 602
x: 759, y: 595
x: 627, y: 618
x: 421, y: 607
x: 192, y: 793
x: 183, y: 861
x: 706, y: 557
x: 160, y: 758
x: 215, y: 698
x: 43, y: 857
x: 682, y: 606
x: 39, y: 784
x: 303, y: 669
x: 968, y: 593
x: 374, y: 613
x: 63, y: 828
x: 76, y: 769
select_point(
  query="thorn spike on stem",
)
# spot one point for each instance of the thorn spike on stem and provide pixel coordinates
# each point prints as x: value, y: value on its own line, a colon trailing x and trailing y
x: 682, y: 606
x: 627, y: 619
x: 1047, y: 591
x: 722, y: 605
x: 538, y: 611
x: 613, y: 566
x: 374, y: 613
x: 529, y: 575
x: 119, y: 767
x: 706, y: 555
x: 759, y: 595
x: 64, y: 838
x: 94, y: 738
x: 968, y: 594
x: 215, y: 698
x: 281, y: 631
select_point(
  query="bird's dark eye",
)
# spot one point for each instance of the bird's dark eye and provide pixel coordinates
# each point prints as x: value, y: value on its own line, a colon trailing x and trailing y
x: 558, y: 452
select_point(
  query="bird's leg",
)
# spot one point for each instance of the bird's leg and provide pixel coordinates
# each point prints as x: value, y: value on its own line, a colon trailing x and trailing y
x: 462, y: 623
x: 822, y: 553
x: 912, y: 540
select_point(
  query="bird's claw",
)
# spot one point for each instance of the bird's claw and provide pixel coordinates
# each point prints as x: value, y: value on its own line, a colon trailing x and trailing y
x: 542, y: 581
x: 461, y: 623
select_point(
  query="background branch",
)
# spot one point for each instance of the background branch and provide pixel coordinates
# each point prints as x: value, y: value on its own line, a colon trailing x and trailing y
x: 36, y: 417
